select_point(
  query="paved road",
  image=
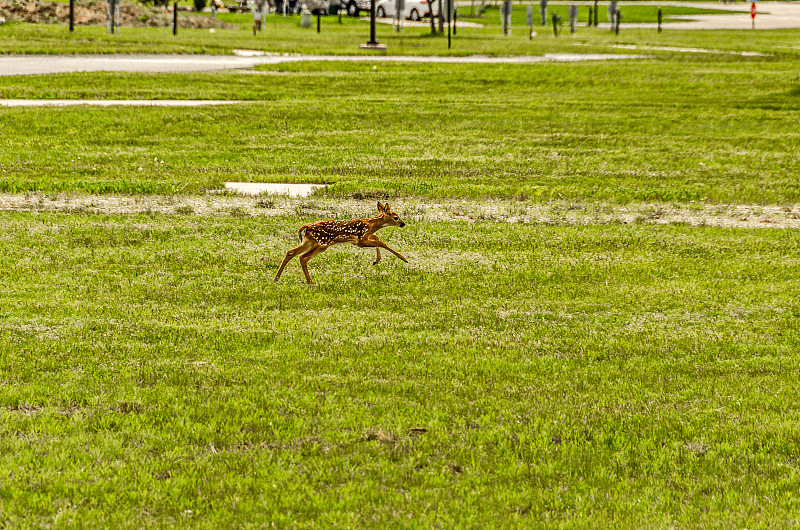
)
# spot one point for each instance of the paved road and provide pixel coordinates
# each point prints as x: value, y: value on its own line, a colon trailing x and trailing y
x: 54, y: 64
x: 769, y: 15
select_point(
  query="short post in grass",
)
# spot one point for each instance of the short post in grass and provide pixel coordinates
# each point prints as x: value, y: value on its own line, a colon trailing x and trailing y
x: 399, y: 7
x: 617, y: 18
x: 455, y: 18
x: 529, y: 21
x: 506, y: 14
x: 660, y: 18
x: 175, y: 18
x: 71, y: 15
x: 555, y: 24
x: 589, y: 24
x: 612, y: 11
x: 260, y: 8
x: 595, y: 13
x: 112, y: 7
x: 573, y: 17
x: 318, y: 22
x: 543, y: 11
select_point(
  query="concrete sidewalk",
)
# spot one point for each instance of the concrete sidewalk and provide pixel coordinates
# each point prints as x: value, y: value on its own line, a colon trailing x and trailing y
x: 55, y: 64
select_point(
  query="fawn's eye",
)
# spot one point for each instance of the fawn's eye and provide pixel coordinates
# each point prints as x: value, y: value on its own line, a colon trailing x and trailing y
x: 396, y: 218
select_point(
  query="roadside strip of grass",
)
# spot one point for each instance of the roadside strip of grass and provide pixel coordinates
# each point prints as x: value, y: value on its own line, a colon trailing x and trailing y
x: 152, y: 373
x: 284, y: 35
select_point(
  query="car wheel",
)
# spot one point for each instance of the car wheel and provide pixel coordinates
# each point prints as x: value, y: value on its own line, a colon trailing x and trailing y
x: 352, y: 9
x: 380, y: 12
x: 414, y: 15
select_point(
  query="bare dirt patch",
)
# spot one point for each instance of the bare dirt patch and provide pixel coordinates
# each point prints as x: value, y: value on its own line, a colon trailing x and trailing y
x: 558, y: 213
x: 94, y: 12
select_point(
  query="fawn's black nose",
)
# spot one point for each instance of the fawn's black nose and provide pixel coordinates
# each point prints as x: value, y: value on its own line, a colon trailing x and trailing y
x: 402, y: 224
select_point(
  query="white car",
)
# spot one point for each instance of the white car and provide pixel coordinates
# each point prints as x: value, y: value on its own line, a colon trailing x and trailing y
x: 413, y: 10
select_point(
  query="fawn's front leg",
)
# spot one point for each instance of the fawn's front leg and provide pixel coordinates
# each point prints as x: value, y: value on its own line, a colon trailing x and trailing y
x: 373, y: 241
x: 377, y: 256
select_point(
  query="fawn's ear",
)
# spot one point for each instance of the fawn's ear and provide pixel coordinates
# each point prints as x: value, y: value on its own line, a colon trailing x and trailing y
x: 381, y: 208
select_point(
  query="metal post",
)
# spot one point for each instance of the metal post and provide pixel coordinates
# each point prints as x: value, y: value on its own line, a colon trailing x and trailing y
x: 590, y: 17
x: 612, y: 13
x: 617, y: 17
x: 175, y: 18
x: 455, y: 18
x: 111, y: 5
x: 555, y: 24
x: 595, y: 13
x: 660, y: 16
x: 372, y: 40
x: 573, y: 17
x: 72, y: 15
x: 449, y: 11
x: 318, y: 15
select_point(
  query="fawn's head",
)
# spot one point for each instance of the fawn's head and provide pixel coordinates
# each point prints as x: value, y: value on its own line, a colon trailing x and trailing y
x: 388, y: 217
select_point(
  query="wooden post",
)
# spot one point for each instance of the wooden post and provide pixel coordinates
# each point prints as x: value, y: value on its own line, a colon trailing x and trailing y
x: 175, y: 18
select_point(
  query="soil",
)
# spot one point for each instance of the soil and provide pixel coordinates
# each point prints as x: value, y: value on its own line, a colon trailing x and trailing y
x: 94, y: 12
x: 466, y: 210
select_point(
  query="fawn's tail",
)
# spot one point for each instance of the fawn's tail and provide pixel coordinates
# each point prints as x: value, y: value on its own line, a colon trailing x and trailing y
x: 302, y: 233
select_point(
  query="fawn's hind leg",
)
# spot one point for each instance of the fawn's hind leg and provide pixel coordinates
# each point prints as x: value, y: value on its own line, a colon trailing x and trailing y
x: 305, y: 246
x: 307, y: 256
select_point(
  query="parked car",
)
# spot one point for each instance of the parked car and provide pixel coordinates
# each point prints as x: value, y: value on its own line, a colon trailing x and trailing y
x: 355, y: 7
x: 413, y: 9
x: 296, y: 6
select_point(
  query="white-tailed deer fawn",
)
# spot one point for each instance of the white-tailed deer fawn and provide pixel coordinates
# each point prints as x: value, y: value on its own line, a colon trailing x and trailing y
x: 317, y: 237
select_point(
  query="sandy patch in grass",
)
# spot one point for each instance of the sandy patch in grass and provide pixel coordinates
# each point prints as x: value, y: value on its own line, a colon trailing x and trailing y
x: 416, y: 209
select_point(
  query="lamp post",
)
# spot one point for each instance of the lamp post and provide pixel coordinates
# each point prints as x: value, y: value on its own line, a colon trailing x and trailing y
x: 372, y: 43
x: 372, y: 40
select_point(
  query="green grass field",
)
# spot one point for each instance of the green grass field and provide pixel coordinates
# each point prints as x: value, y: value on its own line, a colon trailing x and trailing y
x: 586, y: 368
x: 717, y: 129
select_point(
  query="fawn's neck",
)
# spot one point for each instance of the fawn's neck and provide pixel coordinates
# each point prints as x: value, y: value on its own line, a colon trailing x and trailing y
x: 375, y: 223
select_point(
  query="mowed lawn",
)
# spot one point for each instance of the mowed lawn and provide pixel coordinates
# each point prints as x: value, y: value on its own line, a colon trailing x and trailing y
x: 720, y: 129
x: 510, y: 375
